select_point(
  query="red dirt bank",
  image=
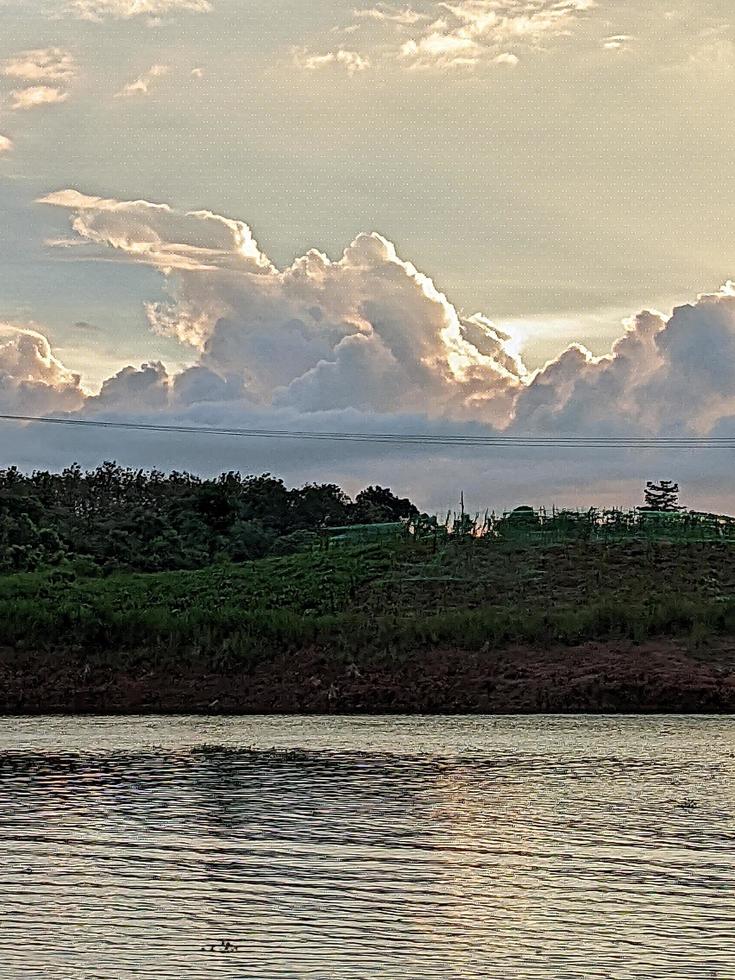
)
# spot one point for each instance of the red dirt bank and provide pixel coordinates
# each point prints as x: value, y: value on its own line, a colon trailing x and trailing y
x: 659, y: 676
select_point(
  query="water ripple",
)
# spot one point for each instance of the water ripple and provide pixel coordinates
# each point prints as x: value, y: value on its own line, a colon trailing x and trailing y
x: 530, y: 849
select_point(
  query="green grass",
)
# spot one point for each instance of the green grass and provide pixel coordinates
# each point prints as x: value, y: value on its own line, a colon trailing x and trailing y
x: 380, y: 600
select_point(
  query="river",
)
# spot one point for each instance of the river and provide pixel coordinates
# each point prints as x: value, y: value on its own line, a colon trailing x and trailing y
x: 529, y: 848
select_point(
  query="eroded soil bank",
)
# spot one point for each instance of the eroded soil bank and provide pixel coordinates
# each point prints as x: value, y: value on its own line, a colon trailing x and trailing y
x: 658, y: 676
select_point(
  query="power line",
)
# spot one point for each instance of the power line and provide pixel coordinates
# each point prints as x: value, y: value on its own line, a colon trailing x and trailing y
x: 408, y: 439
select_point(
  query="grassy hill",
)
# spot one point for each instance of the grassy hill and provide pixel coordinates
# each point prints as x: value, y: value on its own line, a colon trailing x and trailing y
x: 380, y: 607
x: 367, y: 598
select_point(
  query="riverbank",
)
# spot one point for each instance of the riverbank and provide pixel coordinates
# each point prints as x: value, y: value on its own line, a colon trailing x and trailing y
x: 473, y: 627
x: 659, y: 676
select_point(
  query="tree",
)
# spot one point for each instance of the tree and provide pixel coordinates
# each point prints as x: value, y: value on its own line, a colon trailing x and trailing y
x: 114, y: 516
x: 319, y: 505
x: 662, y: 496
x: 375, y: 505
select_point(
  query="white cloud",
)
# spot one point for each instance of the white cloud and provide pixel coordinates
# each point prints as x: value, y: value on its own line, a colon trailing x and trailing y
x: 675, y: 374
x: 98, y: 10
x: 157, y: 235
x: 6, y: 144
x: 490, y: 25
x: 142, y: 84
x: 618, y: 42
x: 468, y: 33
x: 351, y: 61
x: 368, y: 343
x: 37, y: 95
x: 404, y: 16
x: 41, y: 65
x: 437, y: 48
x: 367, y: 330
x: 32, y: 379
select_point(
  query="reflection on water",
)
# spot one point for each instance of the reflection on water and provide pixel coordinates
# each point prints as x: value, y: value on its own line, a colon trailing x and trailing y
x: 358, y: 848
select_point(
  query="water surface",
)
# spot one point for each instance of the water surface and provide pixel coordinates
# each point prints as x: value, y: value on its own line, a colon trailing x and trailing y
x: 344, y: 848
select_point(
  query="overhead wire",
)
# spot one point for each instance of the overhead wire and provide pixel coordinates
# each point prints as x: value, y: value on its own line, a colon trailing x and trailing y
x: 475, y: 440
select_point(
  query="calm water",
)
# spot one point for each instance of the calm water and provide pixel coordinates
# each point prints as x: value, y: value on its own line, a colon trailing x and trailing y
x: 367, y: 848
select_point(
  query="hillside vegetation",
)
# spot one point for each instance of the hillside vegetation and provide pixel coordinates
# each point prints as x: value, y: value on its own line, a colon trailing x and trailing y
x: 127, y: 591
x: 117, y: 518
x: 383, y: 597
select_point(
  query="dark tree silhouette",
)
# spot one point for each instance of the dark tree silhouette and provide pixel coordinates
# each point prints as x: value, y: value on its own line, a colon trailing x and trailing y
x: 113, y: 517
x: 662, y: 496
x: 376, y: 504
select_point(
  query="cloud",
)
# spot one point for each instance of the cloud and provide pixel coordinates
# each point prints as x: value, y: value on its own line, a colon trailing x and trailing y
x: 674, y: 375
x: 479, y: 30
x: 41, y: 65
x: 618, y: 42
x: 466, y: 33
x: 37, y: 95
x: 99, y: 10
x: 157, y: 235
x: 366, y: 342
x: 147, y: 388
x: 32, y: 380
x: 439, y: 49
x: 351, y: 61
x: 6, y: 144
x: 383, y: 12
x: 141, y: 85
x: 367, y: 330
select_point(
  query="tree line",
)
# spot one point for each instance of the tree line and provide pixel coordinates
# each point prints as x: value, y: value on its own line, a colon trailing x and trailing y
x: 116, y: 517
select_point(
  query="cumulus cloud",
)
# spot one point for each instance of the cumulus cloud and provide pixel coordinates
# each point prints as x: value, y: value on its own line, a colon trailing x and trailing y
x: 366, y: 342
x: 37, y: 95
x: 32, y: 380
x: 41, y: 65
x: 147, y: 388
x: 674, y: 375
x: 142, y: 84
x: 367, y: 330
x: 98, y: 10
x: 6, y: 144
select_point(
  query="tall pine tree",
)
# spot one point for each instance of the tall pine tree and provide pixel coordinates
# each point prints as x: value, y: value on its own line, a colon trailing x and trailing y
x: 662, y: 496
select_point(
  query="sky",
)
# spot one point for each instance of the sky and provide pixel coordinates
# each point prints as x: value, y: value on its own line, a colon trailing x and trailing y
x: 462, y: 216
